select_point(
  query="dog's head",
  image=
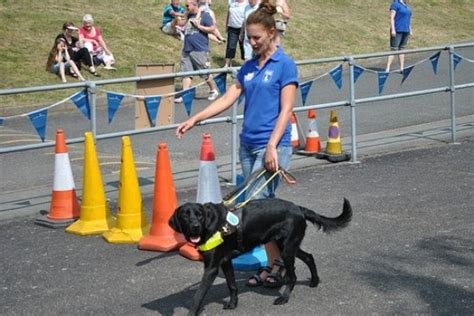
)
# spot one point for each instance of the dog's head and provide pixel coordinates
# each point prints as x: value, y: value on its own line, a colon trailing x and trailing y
x: 197, y: 222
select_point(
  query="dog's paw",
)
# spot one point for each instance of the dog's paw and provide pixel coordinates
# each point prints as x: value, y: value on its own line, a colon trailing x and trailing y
x: 230, y: 305
x: 280, y: 300
x: 314, y: 283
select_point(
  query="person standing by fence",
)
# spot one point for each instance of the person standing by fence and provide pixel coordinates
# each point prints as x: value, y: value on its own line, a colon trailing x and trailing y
x: 269, y: 82
x: 400, y: 30
x: 234, y: 22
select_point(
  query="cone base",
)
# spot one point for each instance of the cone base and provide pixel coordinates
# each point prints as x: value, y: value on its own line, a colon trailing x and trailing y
x: 125, y: 236
x: 84, y: 228
x: 303, y: 152
x: 252, y: 260
x: 160, y: 243
x: 334, y: 158
x: 44, y: 220
x: 190, y: 252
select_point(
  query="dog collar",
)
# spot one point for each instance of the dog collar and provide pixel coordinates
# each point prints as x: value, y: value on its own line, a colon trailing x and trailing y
x: 212, y: 242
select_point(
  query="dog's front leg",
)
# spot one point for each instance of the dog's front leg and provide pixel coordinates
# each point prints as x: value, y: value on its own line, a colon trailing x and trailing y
x: 228, y: 270
x: 210, y: 274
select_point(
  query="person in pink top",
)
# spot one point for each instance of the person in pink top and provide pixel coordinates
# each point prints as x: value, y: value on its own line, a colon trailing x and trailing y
x: 90, y: 36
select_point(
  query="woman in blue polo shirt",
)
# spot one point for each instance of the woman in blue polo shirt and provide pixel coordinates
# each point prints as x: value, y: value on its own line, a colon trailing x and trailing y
x: 400, y: 30
x: 269, y: 82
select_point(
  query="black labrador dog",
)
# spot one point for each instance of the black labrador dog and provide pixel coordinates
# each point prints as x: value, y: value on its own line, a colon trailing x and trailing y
x: 222, y: 233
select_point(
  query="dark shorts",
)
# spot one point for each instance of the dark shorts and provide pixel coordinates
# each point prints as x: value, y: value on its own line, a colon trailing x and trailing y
x: 399, y: 41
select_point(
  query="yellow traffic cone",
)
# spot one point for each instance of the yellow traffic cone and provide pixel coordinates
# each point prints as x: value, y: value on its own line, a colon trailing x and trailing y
x: 131, y: 220
x: 95, y: 216
x: 334, y: 151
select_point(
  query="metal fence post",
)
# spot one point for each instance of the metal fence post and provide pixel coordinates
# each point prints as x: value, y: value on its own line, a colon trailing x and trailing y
x: 452, y: 92
x: 353, y: 109
x: 92, y: 91
x: 234, y: 143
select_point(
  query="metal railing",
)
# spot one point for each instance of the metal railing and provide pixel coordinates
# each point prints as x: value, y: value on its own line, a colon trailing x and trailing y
x: 351, y: 100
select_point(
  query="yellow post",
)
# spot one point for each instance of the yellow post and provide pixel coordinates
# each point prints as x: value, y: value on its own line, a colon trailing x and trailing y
x: 95, y: 217
x: 131, y: 220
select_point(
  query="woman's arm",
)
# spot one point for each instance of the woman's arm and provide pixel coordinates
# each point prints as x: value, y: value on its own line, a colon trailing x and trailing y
x: 393, y: 32
x: 216, y: 107
x: 104, y: 45
x: 288, y: 97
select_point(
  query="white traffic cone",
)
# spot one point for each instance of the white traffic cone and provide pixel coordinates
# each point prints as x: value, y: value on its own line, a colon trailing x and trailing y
x: 209, y: 189
x: 313, y: 141
x: 295, y: 139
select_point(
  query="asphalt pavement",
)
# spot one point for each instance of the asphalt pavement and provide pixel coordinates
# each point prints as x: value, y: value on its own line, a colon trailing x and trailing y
x: 408, y: 250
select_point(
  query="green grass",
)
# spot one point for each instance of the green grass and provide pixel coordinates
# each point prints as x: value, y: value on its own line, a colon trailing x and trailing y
x: 318, y: 28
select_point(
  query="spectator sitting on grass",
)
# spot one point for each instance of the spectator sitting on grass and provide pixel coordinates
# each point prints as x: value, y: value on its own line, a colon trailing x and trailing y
x: 174, y: 19
x: 59, y: 62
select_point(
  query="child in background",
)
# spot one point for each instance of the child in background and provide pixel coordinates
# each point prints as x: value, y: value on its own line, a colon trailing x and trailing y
x: 59, y: 61
x: 205, y: 6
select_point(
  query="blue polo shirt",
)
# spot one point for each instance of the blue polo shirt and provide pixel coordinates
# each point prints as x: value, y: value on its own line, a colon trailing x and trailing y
x: 167, y: 17
x: 194, y: 39
x: 402, y: 16
x: 262, y: 88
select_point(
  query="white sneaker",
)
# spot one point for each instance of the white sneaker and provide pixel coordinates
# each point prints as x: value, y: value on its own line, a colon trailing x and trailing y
x: 213, y: 94
x: 178, y: 100
x: 110, y: 68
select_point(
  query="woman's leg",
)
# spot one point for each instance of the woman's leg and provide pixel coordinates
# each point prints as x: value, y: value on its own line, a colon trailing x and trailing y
x: 232, y: 41
x: 62, y: 72
x: 73, y: 66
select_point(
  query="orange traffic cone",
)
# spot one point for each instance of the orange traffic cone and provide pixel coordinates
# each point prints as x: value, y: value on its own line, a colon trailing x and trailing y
x: 64, y: 206
x: 334, y: 151
x: 313, y: 142
x: 208, y: 187
x: 295, y: 139
x: 162, y: 237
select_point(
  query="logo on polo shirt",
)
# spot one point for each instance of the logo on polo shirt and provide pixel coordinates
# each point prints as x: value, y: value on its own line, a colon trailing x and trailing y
x: 267, y: 76
x: 249, y: 76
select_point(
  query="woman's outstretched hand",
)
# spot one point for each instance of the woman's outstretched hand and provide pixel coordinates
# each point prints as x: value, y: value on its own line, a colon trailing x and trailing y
x: 184, y: 127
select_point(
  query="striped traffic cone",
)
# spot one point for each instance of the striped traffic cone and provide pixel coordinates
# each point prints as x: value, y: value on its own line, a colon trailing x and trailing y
x: 334, y: 151
x: 313, y: 141
x: 64, y: 206
x: 95, y: 217
x: 162, y: 237
x: 131, y: 220
x: 208, y: 187
x: 295, y: 139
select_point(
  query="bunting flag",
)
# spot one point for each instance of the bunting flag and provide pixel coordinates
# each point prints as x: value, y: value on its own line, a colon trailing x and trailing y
x: 304, y: 88
x: 357, y: 72
x: 221, y: 82
x: 188, y: 97
x: 336, y: 75
x: 1, y: 121
x: 457, y: 59
x: 81, y: 100
x: 152, y: 104
x: 38, y: 119
x: 113, y: 103
x: 406, y: 72
x: 241, y: 99
x: 434, y: 62
x: 382, y: 78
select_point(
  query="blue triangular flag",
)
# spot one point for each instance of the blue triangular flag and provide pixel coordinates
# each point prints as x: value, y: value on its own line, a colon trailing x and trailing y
x: 241, y: 99
x: 1, y: 121
x: 434, y: 62
x: 188, y: 97
x: 81, y: 100
x: 113, y: 103
x: 406, y: 72
x: 357, y: 72
x: 304, y: 88
x: 152, y: 104
x: 336, y: 75
x: 382, y: 78
x: 457, y: 59
x: 221, y: 82
x: 38, y: 119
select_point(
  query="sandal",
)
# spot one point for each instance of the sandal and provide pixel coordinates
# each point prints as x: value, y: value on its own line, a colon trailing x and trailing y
x: 275, y: 279
x: 257, y: 277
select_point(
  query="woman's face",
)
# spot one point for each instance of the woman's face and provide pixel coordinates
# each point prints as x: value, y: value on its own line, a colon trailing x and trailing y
x: 61, y: 45
x: 88, y: 25
x: 260, y: 38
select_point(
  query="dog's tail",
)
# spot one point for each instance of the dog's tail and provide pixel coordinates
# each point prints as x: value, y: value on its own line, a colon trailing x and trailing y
x: 328, y: 224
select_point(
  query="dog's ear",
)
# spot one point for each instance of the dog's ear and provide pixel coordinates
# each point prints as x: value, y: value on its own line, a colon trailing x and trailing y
x: 210, y: 216
x: 174, y: 221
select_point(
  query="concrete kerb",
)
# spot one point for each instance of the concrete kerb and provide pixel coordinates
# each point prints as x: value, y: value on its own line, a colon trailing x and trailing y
x: 31, y: 202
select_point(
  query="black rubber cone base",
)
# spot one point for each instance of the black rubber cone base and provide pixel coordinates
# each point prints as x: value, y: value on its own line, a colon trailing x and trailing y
x: 334, y: 158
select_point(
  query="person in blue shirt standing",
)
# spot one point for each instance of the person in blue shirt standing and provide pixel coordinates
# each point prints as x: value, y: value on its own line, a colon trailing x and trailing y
x: 269, y: 82
x: 400, y: 30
